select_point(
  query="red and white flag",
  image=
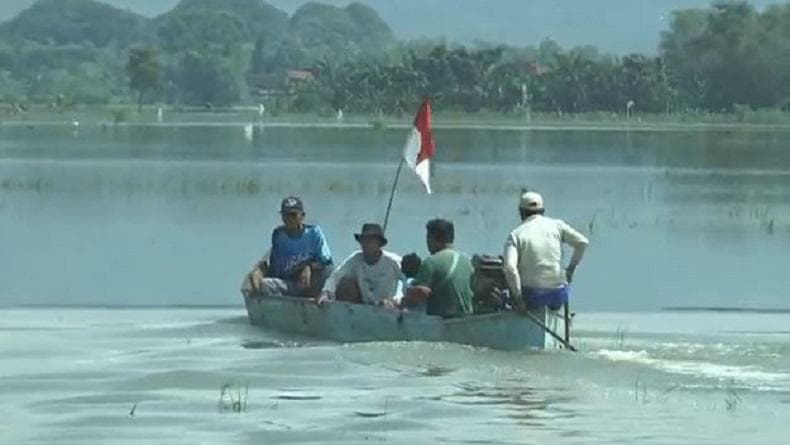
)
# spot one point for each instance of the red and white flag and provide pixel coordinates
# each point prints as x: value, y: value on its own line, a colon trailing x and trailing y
x: 419, y: 147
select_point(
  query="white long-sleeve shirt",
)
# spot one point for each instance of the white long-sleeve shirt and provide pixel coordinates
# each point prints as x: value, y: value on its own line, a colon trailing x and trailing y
x: 376, y: 281
x: 533, y: 253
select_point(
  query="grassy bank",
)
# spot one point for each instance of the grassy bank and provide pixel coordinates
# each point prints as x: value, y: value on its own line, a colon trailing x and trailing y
x: 241, y: 115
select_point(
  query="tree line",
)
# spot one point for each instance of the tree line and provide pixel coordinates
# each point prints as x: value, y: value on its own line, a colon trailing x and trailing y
x: 717, y: 59
x: 710, y: 60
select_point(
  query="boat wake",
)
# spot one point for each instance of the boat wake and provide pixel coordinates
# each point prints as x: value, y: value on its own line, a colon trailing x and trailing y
x: 751, y: 377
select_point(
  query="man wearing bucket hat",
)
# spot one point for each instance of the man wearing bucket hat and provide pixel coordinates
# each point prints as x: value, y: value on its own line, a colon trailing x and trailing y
x: 533, y: 256
x: 370, y: 275
x: 299, y: 260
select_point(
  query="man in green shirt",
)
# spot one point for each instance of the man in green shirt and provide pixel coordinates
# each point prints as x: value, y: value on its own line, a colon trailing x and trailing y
x: 443, y: 280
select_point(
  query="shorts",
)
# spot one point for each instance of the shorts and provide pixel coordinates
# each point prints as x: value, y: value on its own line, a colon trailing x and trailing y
x: 551, y: 298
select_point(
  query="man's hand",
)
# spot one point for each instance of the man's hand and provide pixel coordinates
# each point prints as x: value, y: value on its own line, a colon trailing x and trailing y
x: 323, y: 298
x: 388, y: 303
x: 262, y: 267
x: 416, y: 295
x: 303, y: 280
x: 569, y: 273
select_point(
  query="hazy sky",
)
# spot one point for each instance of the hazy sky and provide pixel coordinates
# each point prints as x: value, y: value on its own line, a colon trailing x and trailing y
x: 613, y: 25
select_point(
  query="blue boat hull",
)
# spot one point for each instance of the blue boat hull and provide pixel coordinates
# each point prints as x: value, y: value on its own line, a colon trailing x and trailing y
x: 345, y: 322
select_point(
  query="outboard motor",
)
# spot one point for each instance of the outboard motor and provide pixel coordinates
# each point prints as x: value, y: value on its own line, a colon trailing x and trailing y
x: 488, y: 284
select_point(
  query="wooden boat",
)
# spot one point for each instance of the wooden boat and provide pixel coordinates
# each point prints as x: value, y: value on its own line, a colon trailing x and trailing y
x: 346, y: 322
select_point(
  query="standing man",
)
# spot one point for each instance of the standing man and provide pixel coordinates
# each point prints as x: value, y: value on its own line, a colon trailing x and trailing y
x: 370, y: 276
x: 299, y: 260
x: 443, y: 280
x: 533, y: 256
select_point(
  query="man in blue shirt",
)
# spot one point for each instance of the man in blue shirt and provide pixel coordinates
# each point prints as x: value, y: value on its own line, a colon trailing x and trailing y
x: 299, y: 260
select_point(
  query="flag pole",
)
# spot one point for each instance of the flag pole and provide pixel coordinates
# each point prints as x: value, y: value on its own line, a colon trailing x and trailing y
x: 392, y: 193
x: 419, y: 148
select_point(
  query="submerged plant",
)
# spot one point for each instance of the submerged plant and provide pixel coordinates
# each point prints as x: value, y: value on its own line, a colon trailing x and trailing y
x: 732, y: 400
x: 671, y: 389
x: 640, y: 387
x: 620, y: 335
x: 591, y: 224
x: 228, y: 401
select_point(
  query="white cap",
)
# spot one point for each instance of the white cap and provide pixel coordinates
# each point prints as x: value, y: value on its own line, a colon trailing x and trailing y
x: 531, y: 201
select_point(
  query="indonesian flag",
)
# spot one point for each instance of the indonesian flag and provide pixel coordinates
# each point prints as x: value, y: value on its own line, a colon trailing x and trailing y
x: 419, y: 147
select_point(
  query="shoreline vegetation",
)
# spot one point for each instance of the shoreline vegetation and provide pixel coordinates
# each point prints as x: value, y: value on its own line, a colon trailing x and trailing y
x: 128, y: 115
x: 715, y: 66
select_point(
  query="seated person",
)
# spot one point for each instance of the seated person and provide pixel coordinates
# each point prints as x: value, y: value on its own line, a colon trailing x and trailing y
x: 369, y: 276
x: 299, y: 259
x: 443, y: 280
x: 409, y: 266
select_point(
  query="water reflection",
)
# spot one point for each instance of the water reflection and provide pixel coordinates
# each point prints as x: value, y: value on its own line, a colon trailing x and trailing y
x: 676, y: 218
x: 526, y: 405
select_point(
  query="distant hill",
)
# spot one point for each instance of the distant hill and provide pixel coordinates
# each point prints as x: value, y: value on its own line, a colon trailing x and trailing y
x: 316, y: 29
x: 613, y: 26
x: 337, y: 32
x: 209, y: 51
x: 190, y: 21
x: 618, y: 26
x: 63, y: 22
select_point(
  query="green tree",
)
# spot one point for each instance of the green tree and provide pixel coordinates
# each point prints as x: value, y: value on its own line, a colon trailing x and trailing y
x: 683, y: 52
x: 732, y: 68
x: 728, y: 54
x: 640, y: 79
x: 144, y: 72
x: 205, y: 78
x: 775, y: 49
x: 258, y: 64
x: 11, y: 89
